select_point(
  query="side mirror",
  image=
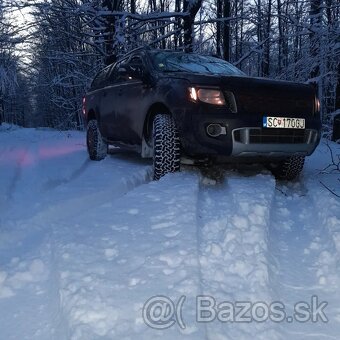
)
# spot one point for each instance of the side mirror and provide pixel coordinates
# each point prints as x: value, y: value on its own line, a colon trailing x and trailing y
x: 136, y: 71
x: 122, y: 71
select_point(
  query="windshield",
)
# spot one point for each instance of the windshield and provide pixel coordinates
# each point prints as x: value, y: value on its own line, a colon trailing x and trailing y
x: 188, y: 62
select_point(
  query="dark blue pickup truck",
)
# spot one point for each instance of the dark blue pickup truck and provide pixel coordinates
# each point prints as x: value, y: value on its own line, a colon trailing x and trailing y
x: 171, y: 106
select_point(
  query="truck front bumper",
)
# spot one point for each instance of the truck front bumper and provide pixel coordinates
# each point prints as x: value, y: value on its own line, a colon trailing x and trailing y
x: 244, y: 137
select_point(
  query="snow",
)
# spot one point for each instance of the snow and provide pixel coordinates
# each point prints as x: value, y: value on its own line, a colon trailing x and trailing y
x: 84, y: 245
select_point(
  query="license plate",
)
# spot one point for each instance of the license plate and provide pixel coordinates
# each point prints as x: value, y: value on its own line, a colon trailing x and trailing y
x: 283, y: 123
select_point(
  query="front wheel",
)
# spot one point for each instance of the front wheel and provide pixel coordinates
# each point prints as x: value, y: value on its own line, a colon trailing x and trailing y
x: 288, y: 169
x: 166, y: 146
x: 96, y: 147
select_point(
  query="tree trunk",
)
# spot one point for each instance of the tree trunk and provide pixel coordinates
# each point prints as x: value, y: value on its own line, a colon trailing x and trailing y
x: 259, y: 34
x: 190, y: 8
x: 279, y: 61
x: 266, y: 46
x: 226, y: 31
x: 177, y: 38
x: 218, y: 27
x: 315, y: 21
x: 110, y: 30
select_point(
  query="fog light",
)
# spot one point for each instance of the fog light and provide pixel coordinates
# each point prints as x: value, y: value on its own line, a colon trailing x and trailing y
x: 215, y: 130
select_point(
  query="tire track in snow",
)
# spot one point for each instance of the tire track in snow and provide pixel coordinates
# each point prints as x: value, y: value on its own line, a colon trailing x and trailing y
x: 36, y: 238
x: 53, y: 184
x: 29, y: 273
x: 27, y: 231
x: 148, y: 247
x: 28, y: 295
x: 16, y: 161
x: 91, y: 200
x: 305, y: 258
x: 233, y: 223
x: 40, y: 233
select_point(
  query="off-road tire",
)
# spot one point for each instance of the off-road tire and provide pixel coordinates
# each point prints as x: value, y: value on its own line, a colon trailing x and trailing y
x: 288, y: 169
x: 96, y: 147
x: 166, y: 146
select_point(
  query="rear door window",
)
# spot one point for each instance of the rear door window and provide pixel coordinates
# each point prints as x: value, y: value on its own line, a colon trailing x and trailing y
x: 114, y: 76
x: 100, y: 80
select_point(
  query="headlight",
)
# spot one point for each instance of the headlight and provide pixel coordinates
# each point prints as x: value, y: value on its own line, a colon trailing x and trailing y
x: 214, y: 97
x: 317, y: 105
x: 193, y: 94
x: 210, y: 96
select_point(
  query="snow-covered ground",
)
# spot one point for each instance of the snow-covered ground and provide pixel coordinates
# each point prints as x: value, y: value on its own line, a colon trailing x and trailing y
x: 85, y: 245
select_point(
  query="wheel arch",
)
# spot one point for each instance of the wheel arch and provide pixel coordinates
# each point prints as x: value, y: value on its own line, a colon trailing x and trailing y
x: 154, y: 109
x: 91, y: 115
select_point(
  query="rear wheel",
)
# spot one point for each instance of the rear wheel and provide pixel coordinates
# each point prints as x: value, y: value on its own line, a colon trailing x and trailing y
x: 166, y: 146
x: 288, y: 169
x: 96, y: 147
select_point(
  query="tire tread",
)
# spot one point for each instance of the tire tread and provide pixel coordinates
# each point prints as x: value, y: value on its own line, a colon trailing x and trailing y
x: 96, y: 146
x: 166, y: 146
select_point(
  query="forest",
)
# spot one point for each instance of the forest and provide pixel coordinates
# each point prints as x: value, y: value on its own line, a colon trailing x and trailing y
x: 50, y: 50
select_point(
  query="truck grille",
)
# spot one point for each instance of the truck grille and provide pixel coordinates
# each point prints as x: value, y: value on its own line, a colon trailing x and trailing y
x: 274, y: 136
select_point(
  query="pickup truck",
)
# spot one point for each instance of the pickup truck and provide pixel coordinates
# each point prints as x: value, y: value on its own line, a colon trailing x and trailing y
x: 173, y: 107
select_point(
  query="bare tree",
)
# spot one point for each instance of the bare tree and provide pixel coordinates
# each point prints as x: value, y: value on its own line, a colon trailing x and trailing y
x: 190, y: 9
